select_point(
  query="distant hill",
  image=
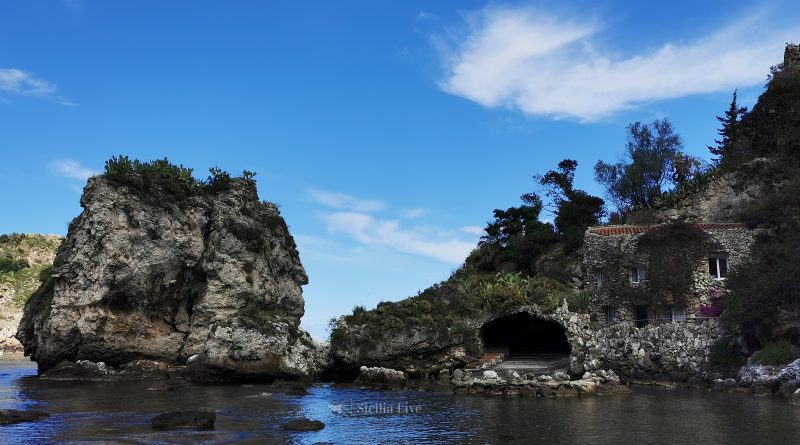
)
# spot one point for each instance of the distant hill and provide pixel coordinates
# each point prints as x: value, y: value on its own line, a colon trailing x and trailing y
x: 23, y: 260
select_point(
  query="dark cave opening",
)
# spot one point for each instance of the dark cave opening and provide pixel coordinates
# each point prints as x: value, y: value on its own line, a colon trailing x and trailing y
x: 522, y: 333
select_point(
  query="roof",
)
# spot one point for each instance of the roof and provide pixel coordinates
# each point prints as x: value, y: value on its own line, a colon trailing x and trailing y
x: 633, y: 230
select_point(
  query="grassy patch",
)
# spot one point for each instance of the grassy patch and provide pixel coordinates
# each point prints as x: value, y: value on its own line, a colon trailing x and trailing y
x: 780, y: 352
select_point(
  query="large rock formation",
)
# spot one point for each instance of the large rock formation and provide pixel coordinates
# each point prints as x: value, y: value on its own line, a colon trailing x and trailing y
x: 23, y: 259
x: 212, y: 278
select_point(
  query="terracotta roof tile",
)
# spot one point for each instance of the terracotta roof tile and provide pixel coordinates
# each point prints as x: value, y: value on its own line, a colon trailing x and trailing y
x: 632, y: 230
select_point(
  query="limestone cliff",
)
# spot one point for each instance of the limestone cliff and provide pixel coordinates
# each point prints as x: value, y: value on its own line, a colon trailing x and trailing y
x: 23, y: 258
x: 212, y: 276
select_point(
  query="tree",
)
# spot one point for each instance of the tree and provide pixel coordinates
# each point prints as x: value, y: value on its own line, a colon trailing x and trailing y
x: 575, y: 210
x: 730, y: 132
x: 515, y: 239
x: 513, y: 222
x: 648, y: 167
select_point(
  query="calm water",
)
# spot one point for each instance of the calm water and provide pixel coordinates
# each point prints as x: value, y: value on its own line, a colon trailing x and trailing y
x: 120, y: 412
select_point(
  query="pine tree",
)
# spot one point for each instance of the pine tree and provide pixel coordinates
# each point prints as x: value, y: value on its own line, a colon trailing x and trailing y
x: 729, y: 132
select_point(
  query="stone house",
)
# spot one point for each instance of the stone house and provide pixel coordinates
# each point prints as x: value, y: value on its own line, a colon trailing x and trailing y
x: 659, y: 273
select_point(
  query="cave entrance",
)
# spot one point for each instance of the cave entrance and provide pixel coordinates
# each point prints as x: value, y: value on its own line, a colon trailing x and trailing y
x: 522, y: 335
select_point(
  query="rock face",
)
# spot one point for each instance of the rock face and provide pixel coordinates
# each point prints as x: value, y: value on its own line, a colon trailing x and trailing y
x: 721, y: 199
x: 23, y: 258
x: 214, y: 277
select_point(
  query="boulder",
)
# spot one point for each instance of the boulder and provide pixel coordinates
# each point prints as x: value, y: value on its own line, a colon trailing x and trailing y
x: 546, y: 391
x: 788, y: 388
x: 561, y: 377
x: 201, y: 419
x: 81, y: 370
x: 795, y: 398
x: 297, y: 389
x: 723, y: 384
x: 382, y: 378
x: 760, y: 391
x: 490, y: 375
x: 303, y: 425
x: 10, y: 416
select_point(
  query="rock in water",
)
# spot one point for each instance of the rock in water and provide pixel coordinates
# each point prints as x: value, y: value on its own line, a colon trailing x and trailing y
x: 303, y: 425
x: 9, y: 416
x: 212, y: 274
x: 201, y: 419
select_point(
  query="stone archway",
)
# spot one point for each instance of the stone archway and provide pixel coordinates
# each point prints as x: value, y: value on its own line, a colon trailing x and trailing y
x: 522, y: 334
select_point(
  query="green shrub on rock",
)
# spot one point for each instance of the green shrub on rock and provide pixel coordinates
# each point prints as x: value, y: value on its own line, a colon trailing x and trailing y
x: 780, y: 352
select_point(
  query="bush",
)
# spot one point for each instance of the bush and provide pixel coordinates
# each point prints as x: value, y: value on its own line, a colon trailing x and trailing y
x: 166, y: 182
x: 780, y: 352
x: 579, y: 301
x: 722, y: 352
x: 9, y: 264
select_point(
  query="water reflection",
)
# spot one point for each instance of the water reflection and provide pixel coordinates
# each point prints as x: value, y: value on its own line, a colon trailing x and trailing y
x: 120, y: 412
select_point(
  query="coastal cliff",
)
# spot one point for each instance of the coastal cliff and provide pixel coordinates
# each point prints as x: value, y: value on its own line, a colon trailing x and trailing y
x: 174, y: 271
x: 24, y: 258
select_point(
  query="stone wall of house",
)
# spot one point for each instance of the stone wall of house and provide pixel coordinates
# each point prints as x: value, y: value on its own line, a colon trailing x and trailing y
x: 665, y: 351
x: 614, y: 255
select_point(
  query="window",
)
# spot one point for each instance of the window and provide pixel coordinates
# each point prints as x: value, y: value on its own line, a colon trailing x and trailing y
x: 636, y: 274
x: 600, y: 279
x: 718, y: 267
x: 611, y: 315
x: 640, y: 316
x: 678, y: 314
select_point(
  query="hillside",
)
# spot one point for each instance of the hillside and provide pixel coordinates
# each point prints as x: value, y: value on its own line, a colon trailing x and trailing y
x: 23, y: 260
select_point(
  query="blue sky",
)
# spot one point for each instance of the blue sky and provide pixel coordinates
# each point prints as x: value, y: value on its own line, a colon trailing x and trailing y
x: 387, y: 131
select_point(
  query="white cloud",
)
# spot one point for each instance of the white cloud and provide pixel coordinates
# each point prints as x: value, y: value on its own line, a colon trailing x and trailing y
x: 71, y: 169
x: 543, y: 65
x: 345, y: 202
x: 472, y: 230
x: 376, y: 232
x: 23, y: 83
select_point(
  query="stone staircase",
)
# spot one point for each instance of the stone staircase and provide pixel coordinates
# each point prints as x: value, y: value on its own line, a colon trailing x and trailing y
x: 488, y: 360
x: 535, y: 363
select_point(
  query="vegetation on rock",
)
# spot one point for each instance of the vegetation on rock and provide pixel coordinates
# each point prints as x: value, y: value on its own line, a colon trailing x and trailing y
x: 776, y: 353
x: 160, y: 178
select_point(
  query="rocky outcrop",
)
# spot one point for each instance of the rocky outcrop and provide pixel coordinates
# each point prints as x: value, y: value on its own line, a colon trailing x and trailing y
x: 23, y: 258
x: 380, y: 378
x: 720, y: 199
x: 511, y: 383
x: 212, y: 278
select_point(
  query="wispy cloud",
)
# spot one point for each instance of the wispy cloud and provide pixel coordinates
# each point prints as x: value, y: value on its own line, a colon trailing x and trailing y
x: 472, y: 230
x: 345, y: 202
x: 546, y: 65
x: 71, y: 169
x: 414, y: 213
x: 23, y: 83
x: 376, y: 232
